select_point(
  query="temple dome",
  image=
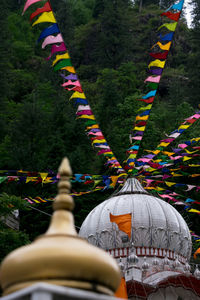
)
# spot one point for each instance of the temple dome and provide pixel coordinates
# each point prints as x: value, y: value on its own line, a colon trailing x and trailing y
x: 155, y: 224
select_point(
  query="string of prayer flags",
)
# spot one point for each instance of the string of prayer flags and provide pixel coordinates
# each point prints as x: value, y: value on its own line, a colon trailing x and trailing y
x: 105, y: 181
x: 62, y: 62
x: 174, y: 135
x: 156, y: 67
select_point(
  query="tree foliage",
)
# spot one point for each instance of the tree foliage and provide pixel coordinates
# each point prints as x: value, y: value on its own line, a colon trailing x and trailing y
x: 109, y: 43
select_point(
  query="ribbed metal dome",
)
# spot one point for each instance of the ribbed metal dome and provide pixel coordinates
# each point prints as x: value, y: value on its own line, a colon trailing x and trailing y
x: 155, y: 223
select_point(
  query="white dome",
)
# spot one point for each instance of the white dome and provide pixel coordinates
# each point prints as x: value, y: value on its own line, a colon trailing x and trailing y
x: 155, y: 224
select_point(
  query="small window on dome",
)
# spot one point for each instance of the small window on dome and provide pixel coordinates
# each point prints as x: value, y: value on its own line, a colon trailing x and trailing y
x: 124, y: 239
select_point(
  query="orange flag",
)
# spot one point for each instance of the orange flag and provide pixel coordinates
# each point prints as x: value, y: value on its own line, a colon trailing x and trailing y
x: 123, y: 222
x: 122, y: 290
x: 196, y: 253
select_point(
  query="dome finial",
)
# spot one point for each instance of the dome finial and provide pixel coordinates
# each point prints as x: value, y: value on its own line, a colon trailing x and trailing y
x: 63, y: 200
x: 59, y: 256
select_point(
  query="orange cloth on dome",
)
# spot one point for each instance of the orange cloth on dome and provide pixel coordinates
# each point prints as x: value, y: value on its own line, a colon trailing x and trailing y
x: 122, y: 290
x: 123, y: 222
x: 196, y: 253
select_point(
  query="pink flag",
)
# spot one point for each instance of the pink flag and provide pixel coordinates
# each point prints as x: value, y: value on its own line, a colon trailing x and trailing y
x: 182, y: 146
x: 57, y: 48
x: 166, y: 196
x: 138, y: 138
x: 196, y: 116
x: 190, y: 187
x: 29, y: 3
x: 144, y: 159
x: 51, y: 39
x: 149, y: 181
x: 155, y: 79
x: 69, y: 82
x: 98, y: 134
x: 84, y: 107
x: 175, y: 157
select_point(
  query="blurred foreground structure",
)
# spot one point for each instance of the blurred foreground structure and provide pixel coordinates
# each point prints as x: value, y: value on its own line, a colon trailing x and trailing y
x: 59, y: 264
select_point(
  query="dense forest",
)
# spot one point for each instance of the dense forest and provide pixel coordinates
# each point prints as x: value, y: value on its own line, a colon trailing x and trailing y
x: 109, y: 42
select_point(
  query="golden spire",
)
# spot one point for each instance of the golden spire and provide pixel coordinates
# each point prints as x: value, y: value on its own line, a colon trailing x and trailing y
x: 59, y: 256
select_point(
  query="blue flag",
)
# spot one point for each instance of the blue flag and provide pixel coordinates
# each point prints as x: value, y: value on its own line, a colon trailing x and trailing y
x: 48, y: 31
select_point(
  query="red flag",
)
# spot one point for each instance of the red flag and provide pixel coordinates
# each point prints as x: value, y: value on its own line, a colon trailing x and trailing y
x: 40, y: 10
x: 149, y: 100
x: 160, y: 55
x: 171, y: 15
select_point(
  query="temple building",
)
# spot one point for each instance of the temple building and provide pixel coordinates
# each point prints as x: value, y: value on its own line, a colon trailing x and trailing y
x: 150, y: 241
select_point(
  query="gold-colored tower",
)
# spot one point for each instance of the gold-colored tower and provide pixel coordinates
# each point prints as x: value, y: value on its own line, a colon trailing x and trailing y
x: 59, y: 256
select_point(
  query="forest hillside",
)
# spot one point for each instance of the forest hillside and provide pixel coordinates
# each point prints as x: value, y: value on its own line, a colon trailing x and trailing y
x: 109, y: 43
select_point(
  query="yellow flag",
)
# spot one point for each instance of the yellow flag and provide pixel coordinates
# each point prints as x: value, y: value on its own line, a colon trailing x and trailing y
x: 169, y: 183
x: 43, y: 176
x: 58, y: 57
x: 184, y: 126
x: 168, y: 153
x: 157, y: 63
x: 163, y: 144
x: 86, y: 117
x: 194, y: 210
x: 98, y: 141
x: 69, y: 69
x: 142, y: 128
x: 45, y: 17
x: 151, y: 169
x: 156, y: 152
x: 29, y: 179
x: 78, y: 95
x: 190, y: 152
x: 159, y: 189
x: 194, y: 175
x: 114, y: 180
x: 145, y: 107
x: 169, y: 26
x: 92, y: 127
x: 176, y: 175
x: 132, y: 155
x: 186, y: 158
x: 144, y: 118
x: 163, y: 47
x: 195, y: 139
x: 193, y: 165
